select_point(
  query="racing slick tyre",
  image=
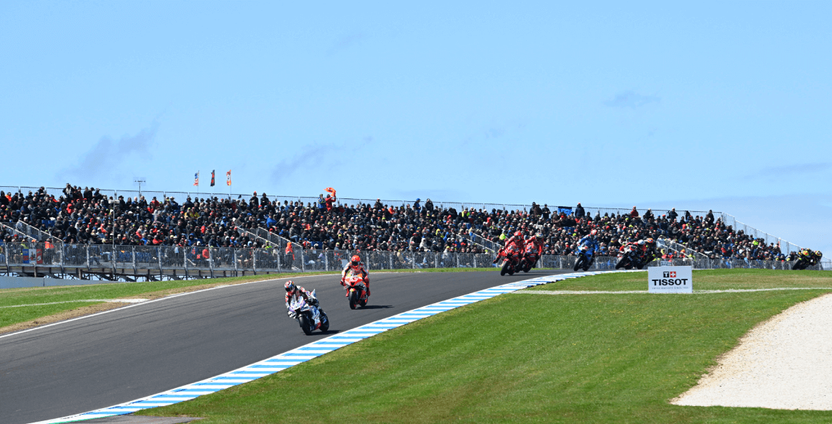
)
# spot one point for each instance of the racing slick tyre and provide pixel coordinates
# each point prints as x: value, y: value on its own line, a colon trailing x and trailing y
x: 579, y: 263
x: 353, y: 299
x: 324, y: 322
x: 504, y: 270
x: 305, y: 324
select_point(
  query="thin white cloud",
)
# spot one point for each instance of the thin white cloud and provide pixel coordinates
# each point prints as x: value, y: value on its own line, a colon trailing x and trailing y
x: 108, y: 157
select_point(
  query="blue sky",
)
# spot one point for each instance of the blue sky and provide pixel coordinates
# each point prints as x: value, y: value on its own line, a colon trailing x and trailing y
x: 696, y: 105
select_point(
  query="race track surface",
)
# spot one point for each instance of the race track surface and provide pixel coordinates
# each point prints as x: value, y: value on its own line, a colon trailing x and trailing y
x: 149, y: 348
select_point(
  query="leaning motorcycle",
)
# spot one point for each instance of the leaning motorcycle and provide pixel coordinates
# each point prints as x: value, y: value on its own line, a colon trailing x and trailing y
x: 309, y: 317
x: 645, y: 258
x: 585, y: 258
x: 511, y: 260
x: 356, y: 291
x: 804, y: 262
x: 627, y: 257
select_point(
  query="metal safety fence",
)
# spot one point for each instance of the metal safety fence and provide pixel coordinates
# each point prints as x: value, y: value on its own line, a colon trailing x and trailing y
x: 162, y: 260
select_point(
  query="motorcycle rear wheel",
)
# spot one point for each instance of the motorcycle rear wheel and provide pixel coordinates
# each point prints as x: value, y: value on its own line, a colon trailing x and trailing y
x: 324, y: 322
x: 623, y: 263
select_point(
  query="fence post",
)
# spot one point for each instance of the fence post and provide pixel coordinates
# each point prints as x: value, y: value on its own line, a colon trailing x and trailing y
x: 210, y: 261
x: 254, y: 261
x: 475, y: 260
x: 134, y: 261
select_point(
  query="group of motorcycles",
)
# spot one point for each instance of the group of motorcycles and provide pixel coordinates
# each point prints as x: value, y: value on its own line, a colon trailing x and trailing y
x: 515, y: 261
x: 629, y: 257
x: 807, y: 258
x: 633, y: 256
x: 311, y: 317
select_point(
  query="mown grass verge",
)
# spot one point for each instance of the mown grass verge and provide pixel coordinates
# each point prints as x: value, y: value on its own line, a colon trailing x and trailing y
x: 606, y: 358
x: 51, y: 304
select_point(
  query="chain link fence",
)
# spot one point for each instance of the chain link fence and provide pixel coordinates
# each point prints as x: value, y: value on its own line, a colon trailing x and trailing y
x: 137, y: 261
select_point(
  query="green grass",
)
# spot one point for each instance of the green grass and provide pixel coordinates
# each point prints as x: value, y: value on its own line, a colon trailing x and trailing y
x: 10, y: 314
x: 614, y: 358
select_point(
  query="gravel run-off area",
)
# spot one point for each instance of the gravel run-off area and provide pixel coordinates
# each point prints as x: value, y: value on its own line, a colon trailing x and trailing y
x: 784, y: 363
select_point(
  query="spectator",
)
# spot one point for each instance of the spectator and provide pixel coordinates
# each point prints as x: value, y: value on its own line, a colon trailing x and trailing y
x: 579, y: 211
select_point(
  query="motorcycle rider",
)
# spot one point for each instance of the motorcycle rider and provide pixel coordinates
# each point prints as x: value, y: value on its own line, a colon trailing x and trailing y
x: 591, y: 242
x: 650, y: 249
x: 357, y: 267
x: 514, y: 247
x: 294, y: 291
x: 535, y: 245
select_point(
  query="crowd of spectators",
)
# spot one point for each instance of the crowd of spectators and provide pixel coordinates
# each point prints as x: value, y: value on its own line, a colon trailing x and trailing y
x: 85, y: 216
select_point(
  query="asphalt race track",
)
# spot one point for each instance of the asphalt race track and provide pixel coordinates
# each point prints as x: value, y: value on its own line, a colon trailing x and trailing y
x: 149, y: 348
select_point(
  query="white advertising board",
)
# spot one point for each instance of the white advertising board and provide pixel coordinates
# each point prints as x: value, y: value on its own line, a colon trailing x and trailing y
x: 670, y: 279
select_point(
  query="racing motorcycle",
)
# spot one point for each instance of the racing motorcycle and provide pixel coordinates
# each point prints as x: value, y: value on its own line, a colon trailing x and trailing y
x: 805, y: 261
x: 530, y: 258
x: 511, y: 260
x: 645, y: 258
x: 585, y: 258
x: 309, y: 317
x: 628, y: 257
x: 356, y: 291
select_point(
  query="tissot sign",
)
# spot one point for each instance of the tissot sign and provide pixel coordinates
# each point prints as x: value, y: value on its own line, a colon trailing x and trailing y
x: 670, y: 279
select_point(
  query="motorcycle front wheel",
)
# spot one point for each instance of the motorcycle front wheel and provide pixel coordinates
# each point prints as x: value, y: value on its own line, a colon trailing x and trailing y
x: 353, y: 299
x: 305, y: 324
x: 504, y: 269
x: 579, y: 263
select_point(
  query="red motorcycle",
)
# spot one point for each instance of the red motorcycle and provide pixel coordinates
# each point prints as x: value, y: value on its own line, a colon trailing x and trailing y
x: 512, y: 260
x: 356, y: 290
x: 530, y: 257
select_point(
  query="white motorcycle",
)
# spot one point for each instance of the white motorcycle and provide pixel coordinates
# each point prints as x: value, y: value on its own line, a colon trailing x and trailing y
x: 309, y: 316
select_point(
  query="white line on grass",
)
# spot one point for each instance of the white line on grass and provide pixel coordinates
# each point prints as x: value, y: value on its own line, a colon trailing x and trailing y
x: 77, y: 301
x: 557, y: 292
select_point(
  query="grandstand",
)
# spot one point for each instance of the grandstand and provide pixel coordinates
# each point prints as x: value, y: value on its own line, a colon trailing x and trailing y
x: 77, y: 232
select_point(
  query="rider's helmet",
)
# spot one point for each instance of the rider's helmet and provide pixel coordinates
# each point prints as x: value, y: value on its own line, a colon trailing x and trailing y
x: 650, y: 240
x: 290, y: 287
x: 518, y: 234
x: 818, y: 254
x: 355, y: 260
x: 593, y: 233
x: 641, y: 242
x: 539, y: 236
